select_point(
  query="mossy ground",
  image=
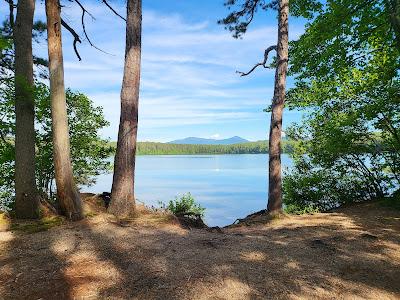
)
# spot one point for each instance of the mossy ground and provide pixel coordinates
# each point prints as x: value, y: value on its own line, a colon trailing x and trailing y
x: 43, y: 224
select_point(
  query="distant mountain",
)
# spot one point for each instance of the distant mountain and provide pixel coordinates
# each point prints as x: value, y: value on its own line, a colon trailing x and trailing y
x: 201, y: 141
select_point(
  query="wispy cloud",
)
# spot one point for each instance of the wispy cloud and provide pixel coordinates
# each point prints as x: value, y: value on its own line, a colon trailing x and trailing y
x: 188, y: 71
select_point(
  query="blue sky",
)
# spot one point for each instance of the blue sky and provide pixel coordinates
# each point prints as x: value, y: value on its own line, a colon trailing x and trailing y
x: 189, y: 86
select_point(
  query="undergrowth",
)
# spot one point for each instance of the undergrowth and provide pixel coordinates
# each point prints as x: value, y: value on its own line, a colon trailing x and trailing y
x: 293, y: 209
x: 185, y: 204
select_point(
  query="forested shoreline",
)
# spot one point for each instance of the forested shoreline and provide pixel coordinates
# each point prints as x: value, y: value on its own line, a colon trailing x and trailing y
x: 259, y: 147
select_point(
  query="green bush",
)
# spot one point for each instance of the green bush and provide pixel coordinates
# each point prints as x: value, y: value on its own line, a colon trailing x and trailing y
x: 311, y: 187
x: 294, y: 209
x: 185, y: 204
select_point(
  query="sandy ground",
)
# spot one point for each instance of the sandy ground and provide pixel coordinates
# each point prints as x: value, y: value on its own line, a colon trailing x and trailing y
x: 353, y: 253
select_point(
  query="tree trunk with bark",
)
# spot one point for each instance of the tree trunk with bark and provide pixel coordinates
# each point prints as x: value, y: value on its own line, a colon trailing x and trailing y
x: 122, y: 194
x: 275, y: 135
x: 26, y: 195
x: 67, y: 193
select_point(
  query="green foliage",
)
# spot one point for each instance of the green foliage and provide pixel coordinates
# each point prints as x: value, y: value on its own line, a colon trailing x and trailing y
x: 7, y: 115
x: 294, y: 209
x: 347, y: 83
x: 7, y: 153
x: 90, y: 153
x: 4, y: 43
x: 242, y: 12
x: 150, y: 148
x: 7, y: 50
x: 309, y: 185
x: 186, y: 204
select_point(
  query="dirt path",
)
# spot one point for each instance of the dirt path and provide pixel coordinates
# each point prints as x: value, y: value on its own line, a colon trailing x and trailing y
x: 350, y: 254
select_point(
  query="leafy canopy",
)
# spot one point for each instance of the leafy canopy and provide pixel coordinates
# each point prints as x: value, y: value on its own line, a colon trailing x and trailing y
x: 346, y: 68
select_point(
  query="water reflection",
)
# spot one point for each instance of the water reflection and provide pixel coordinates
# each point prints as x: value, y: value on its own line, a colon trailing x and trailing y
x: 229, y: 186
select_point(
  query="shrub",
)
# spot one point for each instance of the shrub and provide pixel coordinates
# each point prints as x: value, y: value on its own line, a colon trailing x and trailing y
x: 309, y: 187
x: 294, y: 209
x: 185, y: 204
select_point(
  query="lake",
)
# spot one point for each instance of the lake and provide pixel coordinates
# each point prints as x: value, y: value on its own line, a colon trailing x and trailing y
x: 228, y: 186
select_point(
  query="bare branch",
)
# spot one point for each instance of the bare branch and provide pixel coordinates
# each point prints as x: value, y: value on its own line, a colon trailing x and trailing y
x: 75, y: 35
x: 84, y: 11
x: 113, y: 10
x: 263, y: 63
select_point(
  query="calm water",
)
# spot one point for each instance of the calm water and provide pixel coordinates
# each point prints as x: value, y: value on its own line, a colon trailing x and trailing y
x: 228, y: 186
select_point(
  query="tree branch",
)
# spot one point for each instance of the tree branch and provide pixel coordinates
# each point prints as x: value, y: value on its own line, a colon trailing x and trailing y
x: 391, y: 128
x: 113, y: 10
x: 3, y: 138
x: 11, y: 7
x: 252, y: 11
x: 366, y: 54
x: 75, y: 35
x: 234, y: 21
x: 84, y: 11
x: 263, y: 63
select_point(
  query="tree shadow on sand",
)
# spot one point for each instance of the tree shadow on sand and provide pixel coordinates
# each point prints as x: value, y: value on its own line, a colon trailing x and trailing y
x: 340, y: 254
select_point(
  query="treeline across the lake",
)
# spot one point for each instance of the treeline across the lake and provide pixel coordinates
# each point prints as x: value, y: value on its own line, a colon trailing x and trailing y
x: 259, y: 147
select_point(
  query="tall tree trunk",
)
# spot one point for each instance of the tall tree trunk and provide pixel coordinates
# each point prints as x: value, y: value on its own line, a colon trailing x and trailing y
x: 122, y: 194
x: 67, y: 193
x: 275, y: 168
x: 27, y: 199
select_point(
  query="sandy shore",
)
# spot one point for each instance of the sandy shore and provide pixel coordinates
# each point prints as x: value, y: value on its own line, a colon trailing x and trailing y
x: 353, y: 253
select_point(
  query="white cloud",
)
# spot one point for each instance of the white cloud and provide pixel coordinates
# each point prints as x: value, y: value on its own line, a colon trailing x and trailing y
x: 188, y: 69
